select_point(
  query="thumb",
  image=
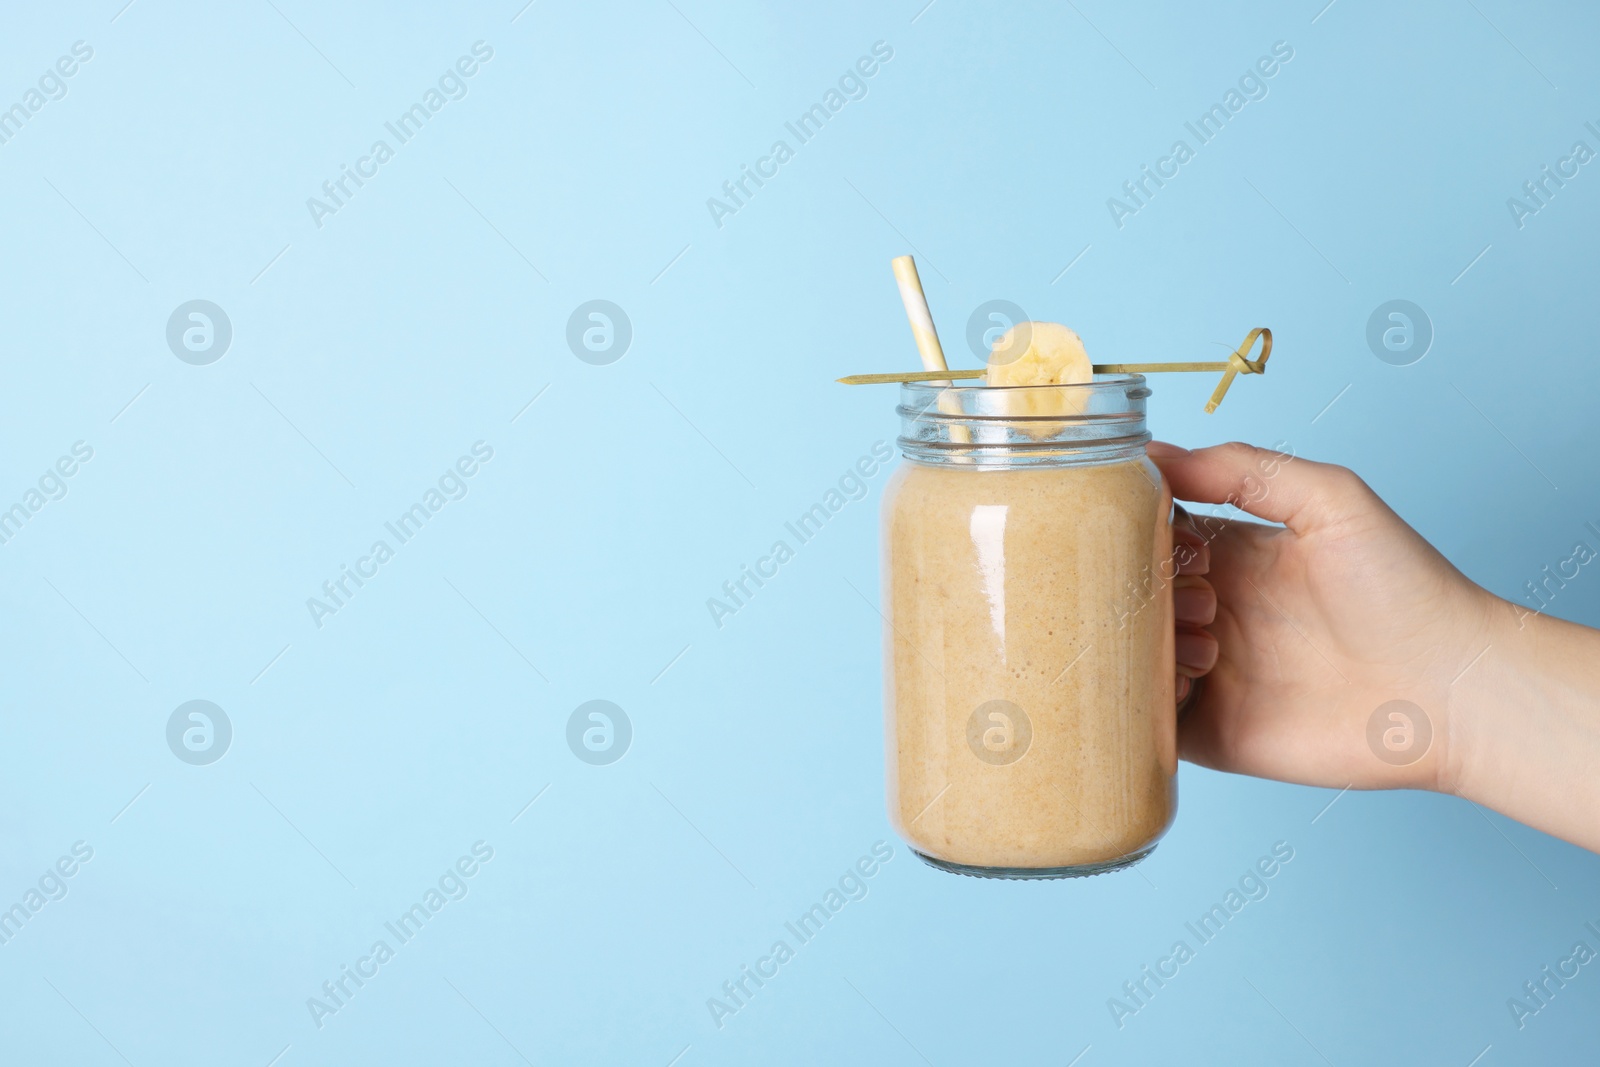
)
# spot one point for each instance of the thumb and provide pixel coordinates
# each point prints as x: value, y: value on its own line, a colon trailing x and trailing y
x: 1275, y: 486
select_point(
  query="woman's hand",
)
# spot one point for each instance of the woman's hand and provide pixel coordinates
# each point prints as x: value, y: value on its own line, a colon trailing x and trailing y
x: 1341, y: 649
x: 1302, y: 633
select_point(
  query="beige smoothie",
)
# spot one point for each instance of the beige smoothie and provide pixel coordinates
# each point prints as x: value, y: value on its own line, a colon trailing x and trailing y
x: 1029, y: 663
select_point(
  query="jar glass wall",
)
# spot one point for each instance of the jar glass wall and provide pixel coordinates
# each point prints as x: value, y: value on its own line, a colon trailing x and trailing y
x: 1030, y: 723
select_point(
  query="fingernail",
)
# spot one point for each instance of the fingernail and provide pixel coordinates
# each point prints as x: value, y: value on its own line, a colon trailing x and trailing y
x: 1191, y: 558
x: 1165, y: 450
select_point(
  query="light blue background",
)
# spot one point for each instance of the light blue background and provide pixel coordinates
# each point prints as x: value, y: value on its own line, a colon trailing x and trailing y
x: 424, y: 316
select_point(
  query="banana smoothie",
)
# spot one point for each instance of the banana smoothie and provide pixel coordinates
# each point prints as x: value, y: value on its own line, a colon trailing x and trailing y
x: 1030, y: 724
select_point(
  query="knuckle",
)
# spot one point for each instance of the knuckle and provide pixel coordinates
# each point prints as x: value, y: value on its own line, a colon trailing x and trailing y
x: 1348, y: 482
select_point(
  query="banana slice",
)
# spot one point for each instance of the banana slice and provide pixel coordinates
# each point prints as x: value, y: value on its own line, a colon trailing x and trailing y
x: 1041, y: 353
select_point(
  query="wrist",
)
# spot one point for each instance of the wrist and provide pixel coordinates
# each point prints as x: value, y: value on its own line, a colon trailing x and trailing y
x: 1523, y: 728
x: 1478, y: 697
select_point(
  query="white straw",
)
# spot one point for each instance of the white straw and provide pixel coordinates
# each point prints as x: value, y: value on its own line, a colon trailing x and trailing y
x: 917, y: 313
x: 927, y: 337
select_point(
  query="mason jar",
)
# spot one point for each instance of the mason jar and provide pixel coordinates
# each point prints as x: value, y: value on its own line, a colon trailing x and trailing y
x: 1028, y: 646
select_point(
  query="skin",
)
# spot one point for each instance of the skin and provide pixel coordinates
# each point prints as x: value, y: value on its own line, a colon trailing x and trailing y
x: 1290, y: 638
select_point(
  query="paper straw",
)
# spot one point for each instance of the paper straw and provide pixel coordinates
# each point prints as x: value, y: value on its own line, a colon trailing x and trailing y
x: 927, y: 337
x: 917, y: 313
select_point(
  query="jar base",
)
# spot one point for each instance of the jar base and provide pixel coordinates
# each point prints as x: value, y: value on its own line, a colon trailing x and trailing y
x: 1084, y: 870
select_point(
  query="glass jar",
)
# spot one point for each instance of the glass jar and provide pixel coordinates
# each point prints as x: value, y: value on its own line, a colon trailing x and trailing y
x: 1028, y: 645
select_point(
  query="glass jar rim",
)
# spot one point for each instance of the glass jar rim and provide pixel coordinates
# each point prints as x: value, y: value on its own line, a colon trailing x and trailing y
x: 1004, y: 426
x: 979, y: 402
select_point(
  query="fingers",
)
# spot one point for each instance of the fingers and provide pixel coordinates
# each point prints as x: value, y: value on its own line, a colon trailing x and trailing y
x: 1191, y: 550
x: 1270, y: 485
x: 1195, y: 650
x: 1194, y: 602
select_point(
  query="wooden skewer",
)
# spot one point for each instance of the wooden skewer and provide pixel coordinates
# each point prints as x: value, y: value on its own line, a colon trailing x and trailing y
x: 1241, y: 363
x: 909, y: 376
x: 1099, y: 368
x: 1237, y: 363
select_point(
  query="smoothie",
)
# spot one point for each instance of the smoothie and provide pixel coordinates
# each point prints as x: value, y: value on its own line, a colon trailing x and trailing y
x: 1030, y: 725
